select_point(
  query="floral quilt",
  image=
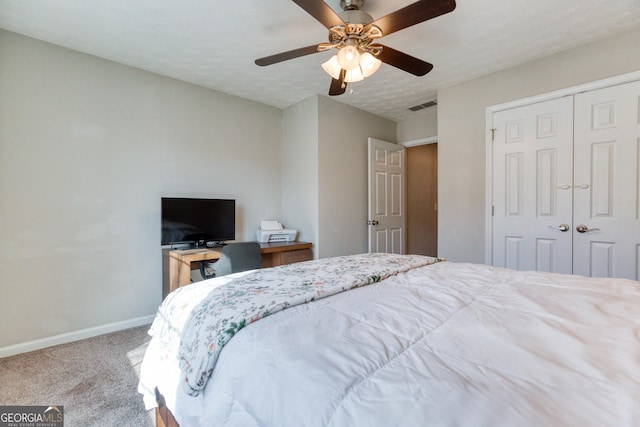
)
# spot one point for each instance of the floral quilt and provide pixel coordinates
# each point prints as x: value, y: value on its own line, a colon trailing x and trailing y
x: 195, y: 322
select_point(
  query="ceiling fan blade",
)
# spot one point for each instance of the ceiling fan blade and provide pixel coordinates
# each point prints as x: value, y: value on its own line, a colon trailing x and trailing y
x: 403, y: 61
x: 415, y: 13
x: 336, y: 87
x: 321, y: 11
x: 290, y: 54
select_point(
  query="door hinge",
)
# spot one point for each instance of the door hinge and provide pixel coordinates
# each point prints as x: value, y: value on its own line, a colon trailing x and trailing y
x: 493, y: 210
x: 493, y: 134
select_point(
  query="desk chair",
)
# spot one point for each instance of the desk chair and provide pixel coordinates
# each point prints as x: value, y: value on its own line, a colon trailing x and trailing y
x: 235, y: 257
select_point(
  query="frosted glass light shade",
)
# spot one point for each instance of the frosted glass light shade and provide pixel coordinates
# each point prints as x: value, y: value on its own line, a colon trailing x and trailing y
x: 332, y: 67
x: 369, y: 64
x: 354, y: 75
x: 349, y: 57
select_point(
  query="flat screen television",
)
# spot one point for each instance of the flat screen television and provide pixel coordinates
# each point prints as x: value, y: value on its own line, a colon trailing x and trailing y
x: 190, y: 220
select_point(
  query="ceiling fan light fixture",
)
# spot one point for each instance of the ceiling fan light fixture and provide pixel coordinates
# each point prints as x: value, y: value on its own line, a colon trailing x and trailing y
x: 368, y: 65
x: 349, y: 57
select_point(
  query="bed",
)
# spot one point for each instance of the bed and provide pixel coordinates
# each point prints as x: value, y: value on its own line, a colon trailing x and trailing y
x: 396, y: 340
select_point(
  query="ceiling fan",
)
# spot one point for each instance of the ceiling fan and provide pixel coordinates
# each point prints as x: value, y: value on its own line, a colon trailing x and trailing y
x: 354, y: 32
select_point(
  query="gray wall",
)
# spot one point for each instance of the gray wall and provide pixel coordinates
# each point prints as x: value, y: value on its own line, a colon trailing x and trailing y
x: 300, y: 170
x: 87, y: 148
x: 325, y: 173
x: 421, y: 124
x: 343, y: 175
x: 461, y: 130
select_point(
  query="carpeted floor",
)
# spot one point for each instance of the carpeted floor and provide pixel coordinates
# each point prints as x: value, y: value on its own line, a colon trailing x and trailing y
x: 94, y: 379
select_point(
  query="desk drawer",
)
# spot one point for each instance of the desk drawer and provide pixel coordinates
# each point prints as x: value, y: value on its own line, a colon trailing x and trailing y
x: 288, y: 257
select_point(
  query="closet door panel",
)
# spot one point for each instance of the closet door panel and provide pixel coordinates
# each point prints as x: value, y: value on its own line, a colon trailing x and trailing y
x: 532, y: 186
x: 607, y: 182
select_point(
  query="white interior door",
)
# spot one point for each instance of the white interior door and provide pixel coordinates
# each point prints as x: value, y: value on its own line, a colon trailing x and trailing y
x: 532, y: 187
x: 386, y: 197
x: 607, y: 182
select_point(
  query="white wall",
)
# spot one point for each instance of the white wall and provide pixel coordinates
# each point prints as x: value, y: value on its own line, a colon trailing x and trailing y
x: 87, y: 148
x: 462, y: 133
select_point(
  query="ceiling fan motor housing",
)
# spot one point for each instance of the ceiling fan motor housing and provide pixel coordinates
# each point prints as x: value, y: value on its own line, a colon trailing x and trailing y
x: 351, y: 4
x: 354, y: 16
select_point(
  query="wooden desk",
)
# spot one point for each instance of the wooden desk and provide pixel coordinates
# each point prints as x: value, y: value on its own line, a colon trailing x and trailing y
x: 178, y: 263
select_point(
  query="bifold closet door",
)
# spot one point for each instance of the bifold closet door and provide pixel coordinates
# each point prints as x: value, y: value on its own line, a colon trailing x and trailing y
x: 532, y: 187
x: 607, y: 182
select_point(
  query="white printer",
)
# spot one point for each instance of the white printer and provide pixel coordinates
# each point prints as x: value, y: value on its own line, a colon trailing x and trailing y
x: 272, y: 231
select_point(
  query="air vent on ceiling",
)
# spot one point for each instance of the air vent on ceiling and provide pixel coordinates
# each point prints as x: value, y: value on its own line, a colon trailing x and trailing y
x: 423, y: 106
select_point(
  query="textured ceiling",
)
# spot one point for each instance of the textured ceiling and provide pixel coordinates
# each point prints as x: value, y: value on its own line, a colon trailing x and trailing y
x: 213, y: 43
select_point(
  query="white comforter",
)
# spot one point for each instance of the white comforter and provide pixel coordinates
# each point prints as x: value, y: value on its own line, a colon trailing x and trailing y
x: 442, y: 345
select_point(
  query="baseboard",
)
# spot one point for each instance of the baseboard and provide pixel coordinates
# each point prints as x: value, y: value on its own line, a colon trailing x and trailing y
x: 74, y: 336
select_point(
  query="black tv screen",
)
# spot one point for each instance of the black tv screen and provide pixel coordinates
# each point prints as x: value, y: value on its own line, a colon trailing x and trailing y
x: 186, y: 220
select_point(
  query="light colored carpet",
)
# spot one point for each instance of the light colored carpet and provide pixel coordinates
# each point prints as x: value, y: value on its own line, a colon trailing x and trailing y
x: 95, y: 379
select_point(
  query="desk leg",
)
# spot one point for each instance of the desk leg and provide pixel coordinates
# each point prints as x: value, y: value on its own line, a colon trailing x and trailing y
x: 176, y: 272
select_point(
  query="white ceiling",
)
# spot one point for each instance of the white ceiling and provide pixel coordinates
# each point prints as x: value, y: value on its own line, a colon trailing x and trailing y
x: 213, y: 43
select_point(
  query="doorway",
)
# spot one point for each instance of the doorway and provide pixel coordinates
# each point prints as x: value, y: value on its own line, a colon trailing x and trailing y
x: 422, y: 199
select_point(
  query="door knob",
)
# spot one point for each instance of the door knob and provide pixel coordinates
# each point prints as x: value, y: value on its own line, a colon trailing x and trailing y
x: 374, y: 222
x: 584, y: 229
x: 561, y: 227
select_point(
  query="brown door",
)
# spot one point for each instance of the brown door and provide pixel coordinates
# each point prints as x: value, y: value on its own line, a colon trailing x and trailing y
x: 422, y: 199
